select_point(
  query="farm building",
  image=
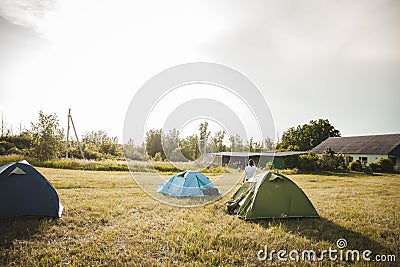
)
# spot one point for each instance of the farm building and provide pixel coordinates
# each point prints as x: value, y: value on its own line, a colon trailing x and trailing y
x: 240, y: 159
x: 366, y: 149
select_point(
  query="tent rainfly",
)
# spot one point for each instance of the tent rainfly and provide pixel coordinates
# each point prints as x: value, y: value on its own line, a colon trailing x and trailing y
x: 188, y: 184
x: 25, y: 192
x: 271, y: 195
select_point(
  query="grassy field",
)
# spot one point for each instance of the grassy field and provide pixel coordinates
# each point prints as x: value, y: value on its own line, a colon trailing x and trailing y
x: 109, y: 221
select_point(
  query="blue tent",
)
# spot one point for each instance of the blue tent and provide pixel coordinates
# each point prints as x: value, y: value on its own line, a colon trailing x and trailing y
x: 25, y: 192
x: 188, y: 184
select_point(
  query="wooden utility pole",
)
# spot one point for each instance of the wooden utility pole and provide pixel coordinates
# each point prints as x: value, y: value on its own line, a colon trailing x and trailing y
x: 66, y: 150
x: 3, y: 124
x: 76, y: 135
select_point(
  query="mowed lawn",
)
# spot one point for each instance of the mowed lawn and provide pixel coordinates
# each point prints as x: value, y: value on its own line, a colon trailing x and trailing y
x: 109, y: 221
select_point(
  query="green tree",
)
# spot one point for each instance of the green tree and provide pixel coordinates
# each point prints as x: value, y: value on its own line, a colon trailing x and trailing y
x: 170, y: 142
x: 133, y: 151
x: 204, y: 135
x: 5, y: 147
x: 153, y: 143
x: 47, y: 137
x: 308, y: 162
x: 236, y: 143
x: 307, y: 136
x: 16, y: 144
x: 250, y: 144
x: 258, y: 146
x: 111, y: 147
x: 386, y: 165
x: 95, y: 137
x: 218, y: 141
x: 268, y: 144
x: 177, y: 156
x: 189, y: 147
x: 97, y: 145
x: 327, y: 161
x: 193, y: 141
x: 255, y: 146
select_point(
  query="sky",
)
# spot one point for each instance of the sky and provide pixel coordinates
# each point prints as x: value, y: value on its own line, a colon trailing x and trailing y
x: 338, y: 60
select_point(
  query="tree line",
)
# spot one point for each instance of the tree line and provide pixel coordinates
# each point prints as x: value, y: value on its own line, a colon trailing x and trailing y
x: 163, y: 146
x: 46, y: 140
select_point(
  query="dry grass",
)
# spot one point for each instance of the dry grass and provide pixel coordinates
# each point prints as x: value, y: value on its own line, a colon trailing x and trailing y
x: 109, y: 221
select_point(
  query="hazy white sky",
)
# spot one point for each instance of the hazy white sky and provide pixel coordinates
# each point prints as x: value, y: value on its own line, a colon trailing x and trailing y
x: 311, y: 59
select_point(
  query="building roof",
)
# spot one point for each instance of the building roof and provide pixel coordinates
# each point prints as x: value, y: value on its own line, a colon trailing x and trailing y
x: 369, y: 144
x: 265, y: 154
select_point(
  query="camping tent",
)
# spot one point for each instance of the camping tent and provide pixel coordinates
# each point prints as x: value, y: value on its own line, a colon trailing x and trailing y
x: 25, y: 192
x: 270, y: 196
x: 188, y: 184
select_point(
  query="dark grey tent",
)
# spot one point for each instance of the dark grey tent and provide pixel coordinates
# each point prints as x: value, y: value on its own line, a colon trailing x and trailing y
x: 25, y: 192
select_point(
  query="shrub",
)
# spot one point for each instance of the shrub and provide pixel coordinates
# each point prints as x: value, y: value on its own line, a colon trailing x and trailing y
x: 21, y: 141
x: 290, y: 162
x: 386, y: 165
x: 308, y: 162
x: 88, y: 153
x: 340, y: 162
x: 165, y: 167
x: 81, y: 165
x: 327, y: 162
x: 375, y: 166
x: 215, y: 170
x: 157, y: 157
x: 270, y: 165
x: 135, y: 153
x: 10, y: 158
x: 330, y: 161
x: 14, y: 151
x: 5, y: 147
x: 355, y: 166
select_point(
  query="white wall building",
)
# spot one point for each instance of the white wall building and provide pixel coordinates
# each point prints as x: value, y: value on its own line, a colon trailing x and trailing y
x: 366, y: 149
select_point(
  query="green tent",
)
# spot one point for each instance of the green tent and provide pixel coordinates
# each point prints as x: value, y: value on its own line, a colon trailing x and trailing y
x: 271, y: 195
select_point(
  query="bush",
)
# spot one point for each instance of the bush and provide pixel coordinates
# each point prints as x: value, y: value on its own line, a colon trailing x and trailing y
x: 270, y: 165
x: 327, y: 162
x: 14, y: 151
x: 340, y: 162
x: 88, y: 153
x: 165, y: 167
x: 5, y: 147
x: 10, y: 158
x: 330, y: 161
x: 375, y: 166
x: 21, y: 141
x: 157, y: 157
x: 386, y: 165
x: 355, y: 166
x: 308, y: 162
x: 217, y: 170
x: 290, y: 162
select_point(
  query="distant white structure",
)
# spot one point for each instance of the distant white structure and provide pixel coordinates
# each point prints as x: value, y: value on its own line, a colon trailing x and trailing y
x: 366, y: 149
